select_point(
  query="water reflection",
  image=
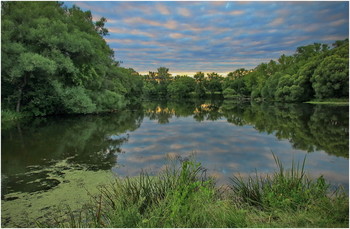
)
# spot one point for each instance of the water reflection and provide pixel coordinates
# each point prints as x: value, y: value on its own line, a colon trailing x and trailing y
x: 307, y: 127
x: 94, y: 142
x: 86, y: 142
x: 39, y: 155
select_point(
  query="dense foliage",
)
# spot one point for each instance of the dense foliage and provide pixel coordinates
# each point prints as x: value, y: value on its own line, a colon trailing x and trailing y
x: 314, y: 71
x: 55, y: 60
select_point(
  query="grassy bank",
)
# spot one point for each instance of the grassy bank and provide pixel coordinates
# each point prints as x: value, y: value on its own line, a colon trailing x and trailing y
x: 343, y: 101
x: 183, y: 196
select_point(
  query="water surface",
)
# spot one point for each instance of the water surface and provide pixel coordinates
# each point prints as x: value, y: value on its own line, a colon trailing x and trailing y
x: 51, y: 161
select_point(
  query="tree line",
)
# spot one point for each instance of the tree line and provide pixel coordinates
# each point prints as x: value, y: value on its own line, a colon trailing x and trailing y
x: 315, y: 71
x: 55, y: 60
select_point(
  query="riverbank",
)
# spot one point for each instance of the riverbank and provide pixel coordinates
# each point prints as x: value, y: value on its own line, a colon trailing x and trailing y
x: 183, y: 196
x: 8, y: 115
x: 330, y: 101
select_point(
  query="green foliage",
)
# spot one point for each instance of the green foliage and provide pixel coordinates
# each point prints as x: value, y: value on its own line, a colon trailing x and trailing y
x: 199, y: 90
x: 314, y: 71
x: 163, y: 74
x: 53, y: 51
x: 181, y: 87
x: 149, y: 89
x: 199, y: 76
x: 74, y: 99
x: 331, y: 78
x: 213, y: 83
x: 286, y: 189
x: 8, y: 115
x: 293, y: 192
x: 107, y: 100
x: 239, y: 73
x: 230, y: 93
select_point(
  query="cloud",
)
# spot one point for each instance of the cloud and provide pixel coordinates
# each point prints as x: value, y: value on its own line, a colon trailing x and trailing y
x: 140, y: 20
x: 184, y: 12
x: 277, y: 22
x: 334, y: 38
x: 176, y: 35
x: 171, y: 24
x: 162, y: 9
x: 236, y: 12
x: 312, y: 27
x: 215, y: 36
x: 339, y: 22
x: 118, y: 30
x: 123, y: 41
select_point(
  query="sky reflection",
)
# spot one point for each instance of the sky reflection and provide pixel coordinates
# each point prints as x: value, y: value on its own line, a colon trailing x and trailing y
x: 224, y: 149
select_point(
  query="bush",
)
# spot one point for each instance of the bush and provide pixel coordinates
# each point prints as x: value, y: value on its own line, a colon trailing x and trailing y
x: 331, y: 78
x: 107, y: 100
x: 230, y: 93
x: 74, y: 99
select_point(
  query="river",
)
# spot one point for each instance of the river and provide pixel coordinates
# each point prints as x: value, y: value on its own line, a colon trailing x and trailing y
x: 48, y: 163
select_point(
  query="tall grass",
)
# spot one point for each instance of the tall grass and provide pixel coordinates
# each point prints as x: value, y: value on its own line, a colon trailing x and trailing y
x: 284, y: 189
x: 183, y: 196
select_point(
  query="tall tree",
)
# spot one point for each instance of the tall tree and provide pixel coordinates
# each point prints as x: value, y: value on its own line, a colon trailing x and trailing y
x: 49, y: 51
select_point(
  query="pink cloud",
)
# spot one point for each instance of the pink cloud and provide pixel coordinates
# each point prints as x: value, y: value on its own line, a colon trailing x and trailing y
x: 237, y: 12
x: 171, y: 24
x: 162, y: 9
x: 184, y: 12
x: 176, y: 35
x: 132, y: 32
x: 338, y: 22
x: 277, y: 21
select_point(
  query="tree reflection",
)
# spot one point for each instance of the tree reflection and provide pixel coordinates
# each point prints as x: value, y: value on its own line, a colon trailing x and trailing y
x: 307, y: 127
x: 85, y: 142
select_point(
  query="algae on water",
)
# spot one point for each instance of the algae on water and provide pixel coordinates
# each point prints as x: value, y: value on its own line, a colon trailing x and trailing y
x: 73, y: 187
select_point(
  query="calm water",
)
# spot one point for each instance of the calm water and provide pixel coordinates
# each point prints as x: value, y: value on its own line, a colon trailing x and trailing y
x: 47, y: 162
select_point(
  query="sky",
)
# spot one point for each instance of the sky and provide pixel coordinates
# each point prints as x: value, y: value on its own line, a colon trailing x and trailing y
x: 214, y: 36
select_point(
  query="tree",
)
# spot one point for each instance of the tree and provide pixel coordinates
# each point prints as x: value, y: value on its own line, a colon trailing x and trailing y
x: 331, y: 78
x: 199, y: 88
x: 237, y: 74
x: 199, y: 76
x: 99, y: 27
x: 50, y: 51
x: 181, y: 87
x: 163, y: 74
x: 214, y: 82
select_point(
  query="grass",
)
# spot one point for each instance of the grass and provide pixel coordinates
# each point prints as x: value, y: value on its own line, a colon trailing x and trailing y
x: 183, y: 196
x: 8, y: 115
x: 331, y: 101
